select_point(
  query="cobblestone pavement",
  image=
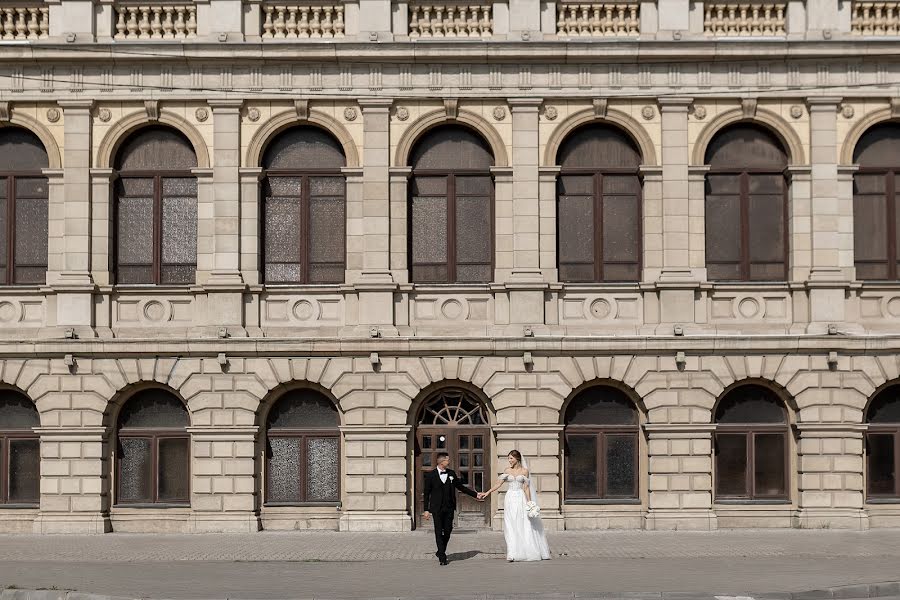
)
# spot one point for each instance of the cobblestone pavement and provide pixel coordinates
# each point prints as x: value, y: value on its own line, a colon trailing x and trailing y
x: 342, y: 565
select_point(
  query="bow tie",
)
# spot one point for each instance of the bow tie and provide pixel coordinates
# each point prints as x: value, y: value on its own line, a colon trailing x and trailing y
x: 442, y: 472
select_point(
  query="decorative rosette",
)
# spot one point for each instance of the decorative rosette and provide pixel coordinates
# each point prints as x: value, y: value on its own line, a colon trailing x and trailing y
x: 532, y: 509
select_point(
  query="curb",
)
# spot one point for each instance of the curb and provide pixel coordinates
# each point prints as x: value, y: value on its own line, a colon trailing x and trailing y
x: 887, y: 589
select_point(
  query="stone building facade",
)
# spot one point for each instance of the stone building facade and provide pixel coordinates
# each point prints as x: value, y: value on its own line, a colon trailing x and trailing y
x: 663, y: 263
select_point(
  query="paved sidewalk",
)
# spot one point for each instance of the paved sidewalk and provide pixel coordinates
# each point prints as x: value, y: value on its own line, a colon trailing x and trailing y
x: 342, y: 565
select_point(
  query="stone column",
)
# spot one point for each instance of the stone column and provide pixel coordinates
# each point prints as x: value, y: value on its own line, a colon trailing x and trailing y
x: 399, y: 177
x: 547, y: 222
x: 831, y: 476
x: 540, y: 447
x: 225, y: 285
x: 223, y: 486
x: 680, y: 477
x: 653, y: 222
x: 375, y: 479
x: 74, y: 478
x: 72, y: 277
x: 249, y: 224
x: 375, y: 285
x: 828, y: 278
x: 677, y: 281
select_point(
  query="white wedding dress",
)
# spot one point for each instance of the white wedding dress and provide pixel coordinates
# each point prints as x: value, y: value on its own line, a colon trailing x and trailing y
x: 525, y: 539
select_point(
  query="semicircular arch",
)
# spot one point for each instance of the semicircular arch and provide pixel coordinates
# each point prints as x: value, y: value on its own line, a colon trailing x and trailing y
x: 118, y: 133
x: 437, y: 118
x: 286, y: 120
x: 428, y: 394
x: 54, y: 156
x: 613, y: 384
x: 614, y: 118
x: 277, y: 393
x: 859, y: 129
x: 771, y: 121
x: 785, y: 398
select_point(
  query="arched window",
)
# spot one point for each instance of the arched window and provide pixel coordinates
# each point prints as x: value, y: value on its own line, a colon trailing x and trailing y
x: 153, y: 455
x: 23, y: 207
x: 883, y: 445
x: 746, y: 206
x: 875, y: 197
x: 156, y: 209
x: 601, y: 446
x: 751, y: 445
x: 451, y: 208
x: 302, y: 449
x: 20, y: 453
x: 303, y: 211
x: 599, y: 206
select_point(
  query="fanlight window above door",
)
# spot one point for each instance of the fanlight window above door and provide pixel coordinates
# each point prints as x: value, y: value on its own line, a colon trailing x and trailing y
x: 453, y: 408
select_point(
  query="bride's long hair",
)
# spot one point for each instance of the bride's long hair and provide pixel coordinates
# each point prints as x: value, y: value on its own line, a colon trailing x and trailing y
x: 517, y: 455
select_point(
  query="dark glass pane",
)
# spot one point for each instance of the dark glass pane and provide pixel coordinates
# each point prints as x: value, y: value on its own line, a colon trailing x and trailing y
x: 17, y: 412
x: 463, y: 460
x: 766, y: 222
x: 596, y: 146
x: 134, y: 236
x: 429, y: 230
x: 473, y: 186
x: 576, y: 233
x: 477, y: 442
x: 872, y: 270
x: 768, y: 464
x: 723, y: 271
x: 885, y: 407
x: 326, y: 273
x: 322, y: 469
x: 284, y: 469
x: 134, y: 274
x: 463, y: 442
x: 766, y: 184
x: 154, y: 408
x: 479, y: 480
x: 882, y: 470
x: 31, y: 239
x: 426, y: 459
x: 326, y: 233
x: 156, y: 149
x: 474, y: 273
x: 767, y: 271
x: 429, y: 186
x: 581, y: 466
x: 870, y: 230
x: 576, y: 185
x: 464, y: 476
x: 282, y: 239
x: 304, y: 147
x: 326, y: 186
x: 723, y: 229
x: 177, y: 274
x: 621, y: 272
x: 451, y: 147
x: 731, y: 465
x: 426, y: 441
x: 750, y: 404
x: 173, y: 475
x: 24, y: 471
x: 728, y: 184
x: 879, y: 146
x: 303, y: 409
x: 21, y: 150
x: 601, y: 405
x: 620, y: 468
x: 746, y: 145
x: 473, y: 230
x: 135, y: 470
x: 430, y: 274
x: 179, y: 233
x: 3, y: 230
x: 442, y: 442
x: 4, y: 183
x: 283, y: 187
x: 32, y: 187
x: 575, y: 272
x: 621, y: 229
x: 477, y: 459
x: 179, y: 187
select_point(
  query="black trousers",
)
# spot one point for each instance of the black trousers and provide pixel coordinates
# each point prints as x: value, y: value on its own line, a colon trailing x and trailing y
x: 443, y: 527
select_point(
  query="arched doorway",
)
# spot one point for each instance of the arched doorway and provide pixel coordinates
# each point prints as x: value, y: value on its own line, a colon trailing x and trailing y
x: 454, y: 420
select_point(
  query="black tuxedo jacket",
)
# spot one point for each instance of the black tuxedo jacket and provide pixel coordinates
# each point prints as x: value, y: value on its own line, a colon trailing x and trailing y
x: 442, y: 496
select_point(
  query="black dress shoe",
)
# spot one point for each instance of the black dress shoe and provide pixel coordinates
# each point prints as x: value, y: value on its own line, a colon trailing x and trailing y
x: 444, y: 561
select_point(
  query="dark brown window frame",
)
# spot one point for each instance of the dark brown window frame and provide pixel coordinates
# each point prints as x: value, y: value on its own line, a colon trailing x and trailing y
x: 303, y: 234
x: 154, y: 434
x: 884, y: 429
x: 6, y: 435
x: 598, y: 198
x: 744, y: 195
x: 451, y: 263
x: 9, y: 276
x: 157, y: 176
x: 301, y: 435
x: 600, y: 432
x: 891, y: 221
x: 751, y: 430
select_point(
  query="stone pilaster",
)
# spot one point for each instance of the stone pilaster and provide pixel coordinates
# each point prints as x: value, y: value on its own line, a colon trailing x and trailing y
x: 831, y: 476
x: 399, y: 178
x: 74, y: 479
x: 680, y: 477
x: 375, y: 481
x: 223, y: 486
x: 653, y: 223
x: 249, y: 224
x: 548, y: 265
x: 71, y: 277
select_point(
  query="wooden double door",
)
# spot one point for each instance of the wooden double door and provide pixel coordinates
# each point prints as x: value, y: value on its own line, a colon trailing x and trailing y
x: 468, y: 450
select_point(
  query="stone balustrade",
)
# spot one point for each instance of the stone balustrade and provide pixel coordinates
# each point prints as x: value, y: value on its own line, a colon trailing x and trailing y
x: 744, y: 19
x: 875, y: 18
x: 450, y: 20
x: 156, y: 22
x: 602, y: 19
x: 303, y: 22
x: 24, y: 22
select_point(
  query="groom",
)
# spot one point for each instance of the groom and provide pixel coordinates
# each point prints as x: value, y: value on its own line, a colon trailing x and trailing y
x: 440, y: 502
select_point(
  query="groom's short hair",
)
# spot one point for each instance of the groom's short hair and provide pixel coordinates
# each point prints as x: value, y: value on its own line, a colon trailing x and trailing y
x: 441, y: 456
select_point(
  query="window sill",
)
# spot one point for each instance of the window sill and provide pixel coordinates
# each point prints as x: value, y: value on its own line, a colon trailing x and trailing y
x: 19, y: 506
x: 603, y: 502
x: 882, y: 501
x: 145, y: 505
x: 744, y: 502
x: 335, y: 505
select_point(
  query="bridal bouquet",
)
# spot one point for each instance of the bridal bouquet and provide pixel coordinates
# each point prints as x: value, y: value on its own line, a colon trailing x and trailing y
x: 532, y: 509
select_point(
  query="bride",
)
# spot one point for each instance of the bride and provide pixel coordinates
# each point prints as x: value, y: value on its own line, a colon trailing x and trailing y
x: 525, y: 539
